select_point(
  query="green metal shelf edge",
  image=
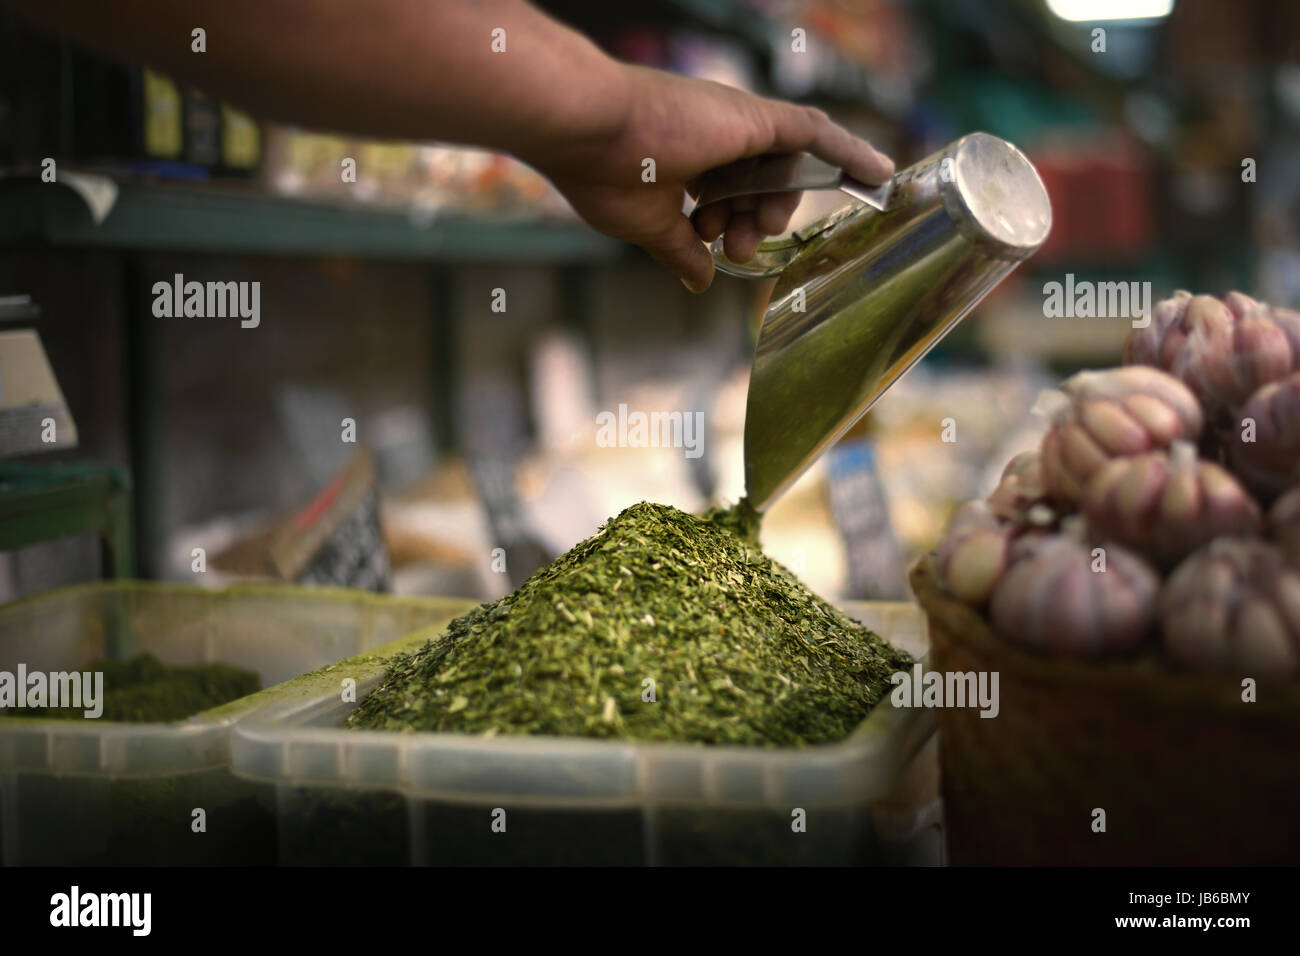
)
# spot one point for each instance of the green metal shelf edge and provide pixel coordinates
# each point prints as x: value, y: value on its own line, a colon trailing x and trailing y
x: 233, y: 220
x: 42, y: 502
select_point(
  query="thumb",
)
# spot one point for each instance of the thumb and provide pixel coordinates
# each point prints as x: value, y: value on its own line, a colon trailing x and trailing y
x: 680, y: 250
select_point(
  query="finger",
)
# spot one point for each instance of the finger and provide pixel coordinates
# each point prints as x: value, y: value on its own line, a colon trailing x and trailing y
x: 710, y: 220
x: 741, y: 238
x: 680, y: 250
x: 774, y: 212
x: 802, y: 128
x: 744, y: 203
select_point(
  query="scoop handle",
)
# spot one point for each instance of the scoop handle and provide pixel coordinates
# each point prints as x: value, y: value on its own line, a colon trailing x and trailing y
x: 776, y: 173
x: 782, y: 173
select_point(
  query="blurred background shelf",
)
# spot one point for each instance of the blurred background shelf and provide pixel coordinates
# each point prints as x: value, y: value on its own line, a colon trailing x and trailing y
x: 238, y: 219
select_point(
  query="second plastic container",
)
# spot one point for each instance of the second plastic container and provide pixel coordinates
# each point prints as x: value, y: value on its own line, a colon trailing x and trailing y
x: 90, y: 792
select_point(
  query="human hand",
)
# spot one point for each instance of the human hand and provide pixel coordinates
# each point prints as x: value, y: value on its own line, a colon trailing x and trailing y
x: 689, y: 127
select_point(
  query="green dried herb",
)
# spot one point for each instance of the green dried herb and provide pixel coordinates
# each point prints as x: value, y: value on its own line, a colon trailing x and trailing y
x: 145, y: 690
x: 734, y: 647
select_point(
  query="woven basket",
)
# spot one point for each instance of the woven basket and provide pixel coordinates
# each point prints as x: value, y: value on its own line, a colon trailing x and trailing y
x: 1186, y: 772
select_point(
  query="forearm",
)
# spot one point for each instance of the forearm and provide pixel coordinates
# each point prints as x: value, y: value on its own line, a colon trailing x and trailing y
x: 417, y: 69
x: 426, y: 69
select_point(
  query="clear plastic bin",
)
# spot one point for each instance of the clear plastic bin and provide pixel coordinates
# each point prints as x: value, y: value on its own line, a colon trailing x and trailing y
x: 78, y: 792
x: 376, y: 797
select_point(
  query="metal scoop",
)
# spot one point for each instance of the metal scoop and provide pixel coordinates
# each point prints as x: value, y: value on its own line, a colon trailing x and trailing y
x: 866, y: 291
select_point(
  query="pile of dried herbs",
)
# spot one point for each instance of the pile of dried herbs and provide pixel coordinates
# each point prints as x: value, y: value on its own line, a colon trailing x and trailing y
x: 659, y: 604
x: 145, y: 690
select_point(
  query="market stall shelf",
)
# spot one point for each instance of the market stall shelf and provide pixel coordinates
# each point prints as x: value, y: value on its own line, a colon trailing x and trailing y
x: 244, y: 221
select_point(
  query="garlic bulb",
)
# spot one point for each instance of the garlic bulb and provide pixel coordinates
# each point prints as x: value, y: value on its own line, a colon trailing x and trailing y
x: 1113, y: 413
x: 973, y: 552
x: 1225, y: 359
x: 1263, y: 443
x: 1061, y: 596
x: 1165, y: 505
x: 1223, y: 350
x: 1234, y: 606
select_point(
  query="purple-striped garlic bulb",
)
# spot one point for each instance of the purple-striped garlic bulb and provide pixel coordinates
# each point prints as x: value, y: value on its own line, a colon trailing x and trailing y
x: 1160, y: 342
x: 1234, y: 606
x: 1225, y: 359
x: 1110, y: 414
x: 1263, y: 443
x: 1165, y: 505
x: 1064, y: 597
x: 973, y: 552
x: 1222, y: 349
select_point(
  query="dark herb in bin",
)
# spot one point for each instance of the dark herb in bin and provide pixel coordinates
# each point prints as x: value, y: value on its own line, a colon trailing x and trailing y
x: 145, y: 690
